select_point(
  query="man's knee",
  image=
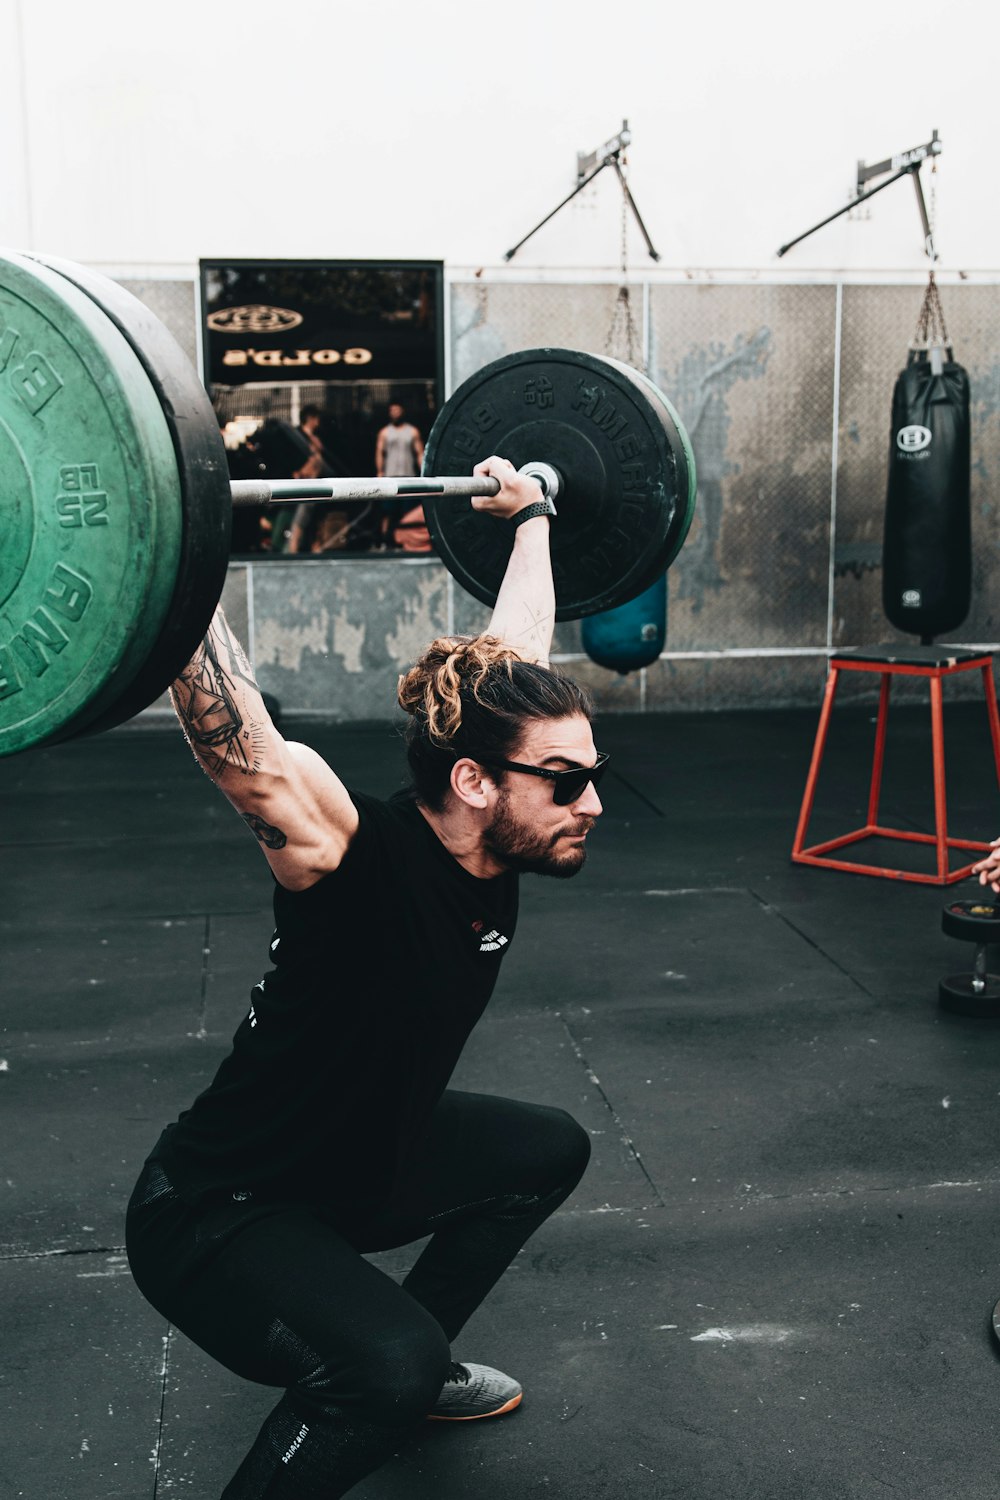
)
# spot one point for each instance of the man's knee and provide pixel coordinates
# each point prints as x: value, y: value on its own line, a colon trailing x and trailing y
x: 564, y: 1147
x: 393, y: 1382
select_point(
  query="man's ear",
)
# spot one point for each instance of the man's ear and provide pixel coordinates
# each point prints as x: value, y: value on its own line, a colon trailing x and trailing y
x: 471, y: 783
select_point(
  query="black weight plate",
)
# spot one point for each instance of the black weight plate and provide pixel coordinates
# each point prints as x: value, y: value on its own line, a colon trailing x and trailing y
x: 673, y: 422
x: 957, y: 995
x: 972, y: 921
x: 624, y: 504
x: 204, y: 481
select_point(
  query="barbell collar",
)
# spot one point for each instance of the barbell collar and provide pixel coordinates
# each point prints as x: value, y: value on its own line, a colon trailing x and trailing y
x: 548, y: 479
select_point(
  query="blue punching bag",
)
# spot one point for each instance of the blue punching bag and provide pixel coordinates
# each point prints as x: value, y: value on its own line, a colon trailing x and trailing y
x: 632, y: 635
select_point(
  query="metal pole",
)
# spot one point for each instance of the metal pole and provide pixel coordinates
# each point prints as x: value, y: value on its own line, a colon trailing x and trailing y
x: 291, y: 491
x: 861, y: 198
x: 584, y: 182
x: 922, y: 210
x: 459, y: 486
x: 654, y: 254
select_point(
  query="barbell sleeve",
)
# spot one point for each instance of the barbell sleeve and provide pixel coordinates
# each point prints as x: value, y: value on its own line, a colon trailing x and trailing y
x: 292, y: 491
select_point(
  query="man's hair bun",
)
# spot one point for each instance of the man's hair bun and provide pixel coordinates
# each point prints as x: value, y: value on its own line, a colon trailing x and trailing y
x: 451, y: 668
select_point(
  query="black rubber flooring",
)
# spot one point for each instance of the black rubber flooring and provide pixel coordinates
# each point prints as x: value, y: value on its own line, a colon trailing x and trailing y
x: 776, y: 1278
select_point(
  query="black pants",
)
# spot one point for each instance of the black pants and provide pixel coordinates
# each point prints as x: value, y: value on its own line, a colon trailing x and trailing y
x: 279, y: 1295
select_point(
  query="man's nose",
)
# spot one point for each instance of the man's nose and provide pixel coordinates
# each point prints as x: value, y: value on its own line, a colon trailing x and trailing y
x: 589, y: 803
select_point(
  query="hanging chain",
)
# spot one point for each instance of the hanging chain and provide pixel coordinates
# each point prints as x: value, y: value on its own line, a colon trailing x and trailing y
x: 623, y: 251
x: 933, y: 212
x: 931, y: 328
x: 482, y: 299
x: 624, y: 340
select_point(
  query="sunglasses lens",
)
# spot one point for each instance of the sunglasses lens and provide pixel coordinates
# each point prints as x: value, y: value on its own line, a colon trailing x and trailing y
x: 569, y: 787
x: 571, y: 784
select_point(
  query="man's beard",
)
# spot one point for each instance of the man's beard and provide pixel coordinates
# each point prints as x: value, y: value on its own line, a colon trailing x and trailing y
x: 520, y: 848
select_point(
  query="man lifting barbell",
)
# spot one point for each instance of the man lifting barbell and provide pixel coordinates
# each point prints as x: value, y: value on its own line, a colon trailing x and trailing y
x: 329, y: 1130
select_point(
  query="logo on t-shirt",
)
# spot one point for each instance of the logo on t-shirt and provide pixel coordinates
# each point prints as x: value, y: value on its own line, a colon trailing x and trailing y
x: 492, y: 940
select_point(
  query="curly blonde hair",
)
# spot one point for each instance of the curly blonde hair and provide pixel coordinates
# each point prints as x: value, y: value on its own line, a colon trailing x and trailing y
x: 434, y: 686
x: 473, y: 696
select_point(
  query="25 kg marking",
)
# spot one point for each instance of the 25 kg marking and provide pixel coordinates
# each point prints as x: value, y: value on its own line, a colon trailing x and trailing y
x: 82, y: 501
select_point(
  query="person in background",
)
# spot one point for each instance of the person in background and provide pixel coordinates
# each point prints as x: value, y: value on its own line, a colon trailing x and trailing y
x: 410, y: 534
x: 399, y: 453
x: 313, y: 519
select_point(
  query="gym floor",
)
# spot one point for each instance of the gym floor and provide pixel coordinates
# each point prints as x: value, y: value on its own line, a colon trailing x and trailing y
x: 775, y: 1280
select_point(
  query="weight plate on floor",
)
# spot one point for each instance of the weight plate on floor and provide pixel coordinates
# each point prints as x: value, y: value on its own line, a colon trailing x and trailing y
x: 626, y: 495
x: 88, y: 474
x: 203, y: 473
x: 956, y: 993
x: 972, y: 921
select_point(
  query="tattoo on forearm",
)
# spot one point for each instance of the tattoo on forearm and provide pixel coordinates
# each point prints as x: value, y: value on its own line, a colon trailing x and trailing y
x: 528, y: 627
x: 269, y: 836
x: 205, y: 697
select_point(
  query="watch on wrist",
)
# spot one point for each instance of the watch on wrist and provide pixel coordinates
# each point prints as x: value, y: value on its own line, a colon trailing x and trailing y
x: 543, y: 507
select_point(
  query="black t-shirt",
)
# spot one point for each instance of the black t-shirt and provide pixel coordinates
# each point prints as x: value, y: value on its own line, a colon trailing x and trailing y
x: 381, y: 970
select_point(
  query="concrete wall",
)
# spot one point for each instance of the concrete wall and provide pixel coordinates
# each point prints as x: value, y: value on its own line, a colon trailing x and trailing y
x: 329, y: 638
x: 785, y: 389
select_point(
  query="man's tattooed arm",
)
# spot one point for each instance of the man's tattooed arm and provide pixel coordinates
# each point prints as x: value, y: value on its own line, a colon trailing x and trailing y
x: 525, y: 610
x: 220, y: 706
x: 269, y: 836
x: 295, y: 805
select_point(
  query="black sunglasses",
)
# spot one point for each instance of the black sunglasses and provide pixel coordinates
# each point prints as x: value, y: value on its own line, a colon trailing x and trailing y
x: 566, y: 785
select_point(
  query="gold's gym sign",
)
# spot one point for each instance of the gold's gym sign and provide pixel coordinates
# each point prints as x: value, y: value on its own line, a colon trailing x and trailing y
x: 272, y: 357
x: 258, y: 318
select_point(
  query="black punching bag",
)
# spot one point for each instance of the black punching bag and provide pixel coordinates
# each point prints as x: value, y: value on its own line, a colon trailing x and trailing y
x: 927, y: 546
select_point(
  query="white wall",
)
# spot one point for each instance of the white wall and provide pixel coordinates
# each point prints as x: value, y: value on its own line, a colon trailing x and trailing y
x: 150, y: 135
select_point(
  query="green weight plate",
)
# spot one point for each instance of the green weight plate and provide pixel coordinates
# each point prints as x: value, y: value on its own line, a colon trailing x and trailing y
x: 627, y: 477
x: 203, y: 474
x: 91, y: 508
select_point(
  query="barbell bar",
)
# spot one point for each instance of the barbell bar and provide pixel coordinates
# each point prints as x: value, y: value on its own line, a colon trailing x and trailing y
x: 117, y: 503
x: 349, y: 491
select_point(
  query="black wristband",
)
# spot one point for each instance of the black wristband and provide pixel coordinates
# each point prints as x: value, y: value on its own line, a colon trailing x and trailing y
x: 543, y: 507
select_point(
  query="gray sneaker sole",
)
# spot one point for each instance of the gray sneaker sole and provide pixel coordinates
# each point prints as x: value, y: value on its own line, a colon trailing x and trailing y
x: 479, y: 1415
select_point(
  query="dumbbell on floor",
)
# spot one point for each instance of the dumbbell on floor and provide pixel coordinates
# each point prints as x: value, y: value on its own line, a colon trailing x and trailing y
x: 978, y: 993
